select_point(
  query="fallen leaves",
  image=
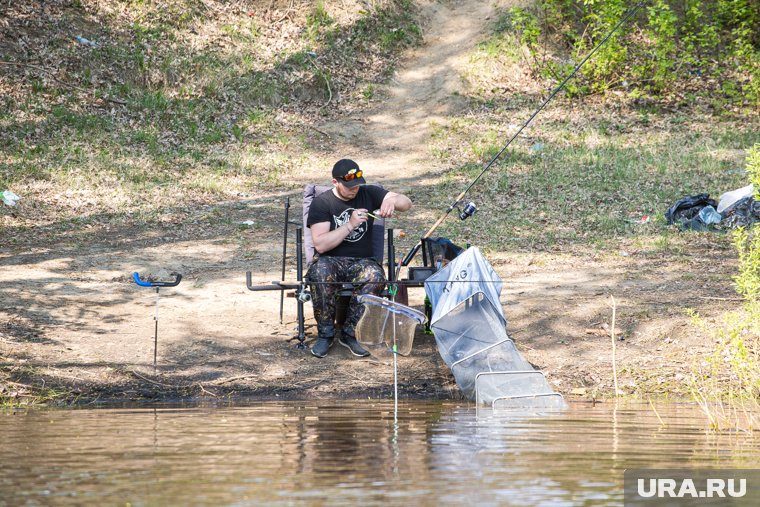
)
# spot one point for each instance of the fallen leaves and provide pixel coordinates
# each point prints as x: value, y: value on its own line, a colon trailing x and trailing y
x: 597, y: 331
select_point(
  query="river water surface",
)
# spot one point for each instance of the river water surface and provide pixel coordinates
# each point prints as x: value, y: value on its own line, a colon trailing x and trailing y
x: 350, y: 453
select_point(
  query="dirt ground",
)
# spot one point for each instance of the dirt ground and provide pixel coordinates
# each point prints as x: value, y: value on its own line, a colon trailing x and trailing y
x: 72, y: 320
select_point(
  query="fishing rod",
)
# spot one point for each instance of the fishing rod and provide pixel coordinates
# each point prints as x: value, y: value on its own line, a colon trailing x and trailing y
x: 470, y: 208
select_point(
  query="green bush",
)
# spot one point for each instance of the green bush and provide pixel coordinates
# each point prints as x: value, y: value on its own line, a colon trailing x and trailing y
x: 747, y: 242
x: 696, y: 43
x: 726, y: 383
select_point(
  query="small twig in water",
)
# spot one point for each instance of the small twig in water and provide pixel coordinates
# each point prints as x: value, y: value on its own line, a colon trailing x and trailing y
x: 662, y: 423
x: 612, y: 335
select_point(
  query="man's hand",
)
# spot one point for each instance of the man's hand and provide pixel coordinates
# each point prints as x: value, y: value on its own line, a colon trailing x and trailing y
x: 358, y: 217
x: 394, y: 202
x: 387, y: 208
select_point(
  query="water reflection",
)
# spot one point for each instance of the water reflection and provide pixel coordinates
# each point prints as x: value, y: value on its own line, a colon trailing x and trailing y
x: 345, y: 453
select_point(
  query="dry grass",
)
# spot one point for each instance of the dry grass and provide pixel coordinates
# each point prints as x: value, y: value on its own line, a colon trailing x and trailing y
x: 176, y: 102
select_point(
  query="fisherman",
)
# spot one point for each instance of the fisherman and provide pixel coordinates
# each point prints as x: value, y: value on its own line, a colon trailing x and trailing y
x: 341, y: 223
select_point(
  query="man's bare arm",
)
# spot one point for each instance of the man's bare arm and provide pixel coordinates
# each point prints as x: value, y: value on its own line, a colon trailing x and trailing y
x: 325, y: 240
x: 394, y: 202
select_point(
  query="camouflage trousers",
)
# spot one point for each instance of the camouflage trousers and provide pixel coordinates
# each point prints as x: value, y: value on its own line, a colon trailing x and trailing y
x: 329, y: 273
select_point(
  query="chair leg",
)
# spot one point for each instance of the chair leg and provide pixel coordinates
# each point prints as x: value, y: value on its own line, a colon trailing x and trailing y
x: 301, y: 336
x: 299, y: 274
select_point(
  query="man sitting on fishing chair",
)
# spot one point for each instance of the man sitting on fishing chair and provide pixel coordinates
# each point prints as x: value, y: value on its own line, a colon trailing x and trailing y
x: 341, y: 225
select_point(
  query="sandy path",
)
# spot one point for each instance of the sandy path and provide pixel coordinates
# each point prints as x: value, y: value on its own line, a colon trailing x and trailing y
x: 391, y: 139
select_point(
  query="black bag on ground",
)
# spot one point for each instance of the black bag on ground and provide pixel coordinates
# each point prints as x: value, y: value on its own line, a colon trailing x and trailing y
x: 685, y: 209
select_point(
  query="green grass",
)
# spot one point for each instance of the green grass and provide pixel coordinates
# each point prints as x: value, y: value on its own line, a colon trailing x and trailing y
x: 726, y: 382
x: 198, y: 96
x: 18, y: 395
x: 497, y: 59
x: 573, y: 186
x: 318, y: 23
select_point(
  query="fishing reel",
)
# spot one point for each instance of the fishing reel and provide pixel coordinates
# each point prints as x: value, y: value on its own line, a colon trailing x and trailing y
x: 469, y: 210
x: 303, y: 295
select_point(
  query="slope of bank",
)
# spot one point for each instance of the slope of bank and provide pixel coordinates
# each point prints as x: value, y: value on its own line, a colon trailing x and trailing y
x: 570, y: 218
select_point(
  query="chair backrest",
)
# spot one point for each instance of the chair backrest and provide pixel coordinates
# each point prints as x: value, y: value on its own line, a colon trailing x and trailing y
x: 378, y: 231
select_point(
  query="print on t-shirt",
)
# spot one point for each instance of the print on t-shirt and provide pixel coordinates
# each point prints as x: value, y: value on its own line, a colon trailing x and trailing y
x: 357, y: 233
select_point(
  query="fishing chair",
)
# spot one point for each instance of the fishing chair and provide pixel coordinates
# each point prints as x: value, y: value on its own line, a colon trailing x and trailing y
x: 378, y: 244
x: 305, y: 250
x: 436, y: 252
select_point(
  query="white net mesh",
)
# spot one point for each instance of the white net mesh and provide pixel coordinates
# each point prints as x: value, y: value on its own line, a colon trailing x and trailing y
x: 387, y: 322
x: 531, y: 402
x: 500, y: 385
x: 470, y: 329
x: 502, y: 356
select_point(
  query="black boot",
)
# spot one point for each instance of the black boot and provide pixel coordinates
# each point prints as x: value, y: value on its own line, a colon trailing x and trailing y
x: 322, y: 345
x: 351, y: 344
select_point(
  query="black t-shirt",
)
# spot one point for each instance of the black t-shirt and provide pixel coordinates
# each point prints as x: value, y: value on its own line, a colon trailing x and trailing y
x: 326, y: 207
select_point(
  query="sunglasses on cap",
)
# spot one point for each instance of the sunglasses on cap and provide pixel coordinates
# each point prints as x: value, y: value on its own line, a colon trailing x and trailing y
x: 352, y: 175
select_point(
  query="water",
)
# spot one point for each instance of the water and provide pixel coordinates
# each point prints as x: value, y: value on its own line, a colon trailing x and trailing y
x: 349, y: 453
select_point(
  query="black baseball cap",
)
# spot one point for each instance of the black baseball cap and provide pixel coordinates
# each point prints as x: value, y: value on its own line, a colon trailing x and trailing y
x: 347, y: 172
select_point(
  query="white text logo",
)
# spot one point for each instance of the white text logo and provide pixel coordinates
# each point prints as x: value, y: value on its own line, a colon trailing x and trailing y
x: 670, y: 488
